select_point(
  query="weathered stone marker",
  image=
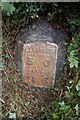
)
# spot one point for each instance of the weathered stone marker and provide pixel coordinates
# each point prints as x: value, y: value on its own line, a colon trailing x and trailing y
x: 39, y: 63
x: 36, y: 36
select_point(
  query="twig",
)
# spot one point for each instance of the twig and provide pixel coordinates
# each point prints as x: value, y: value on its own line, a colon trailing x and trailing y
x: 2, y: 101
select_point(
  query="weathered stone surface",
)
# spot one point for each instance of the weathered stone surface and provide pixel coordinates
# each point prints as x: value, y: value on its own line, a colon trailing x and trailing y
x: 39, y: 63
x: 41, y: 31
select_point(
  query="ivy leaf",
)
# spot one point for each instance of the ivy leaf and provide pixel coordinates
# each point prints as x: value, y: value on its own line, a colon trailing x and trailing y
x: 74, y: 63
x: 8, y: 8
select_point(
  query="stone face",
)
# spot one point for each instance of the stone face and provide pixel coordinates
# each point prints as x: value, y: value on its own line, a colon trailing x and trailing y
x: 39, y: 63
x: 41, y: 31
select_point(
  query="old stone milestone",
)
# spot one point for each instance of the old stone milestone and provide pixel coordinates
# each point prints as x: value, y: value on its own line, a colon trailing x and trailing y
x: 39, y: 63
x: 35, y: 58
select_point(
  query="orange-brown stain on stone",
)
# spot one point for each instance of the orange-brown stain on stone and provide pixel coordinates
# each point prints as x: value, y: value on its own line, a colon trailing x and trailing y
x: 39, y: 63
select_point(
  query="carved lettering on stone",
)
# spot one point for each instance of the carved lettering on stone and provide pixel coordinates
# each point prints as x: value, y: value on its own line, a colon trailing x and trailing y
x: 39, y: 63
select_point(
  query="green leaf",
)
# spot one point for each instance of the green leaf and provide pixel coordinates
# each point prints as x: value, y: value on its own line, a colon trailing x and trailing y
x: 8, y: 8
x: 73, y: 62
x: 78, y: 86
x: 1, y: 66
x: 67, y: 94
x: 63, y: 107
x: 61, y: 103
x: 12, y: 115
x: 77, y: 109
x: 55, y: 116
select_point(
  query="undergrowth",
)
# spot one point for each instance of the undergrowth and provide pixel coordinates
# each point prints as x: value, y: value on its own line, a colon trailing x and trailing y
x: 64, y: 102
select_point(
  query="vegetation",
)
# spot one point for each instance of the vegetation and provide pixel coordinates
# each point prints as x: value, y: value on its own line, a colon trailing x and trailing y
x: 64, y: 101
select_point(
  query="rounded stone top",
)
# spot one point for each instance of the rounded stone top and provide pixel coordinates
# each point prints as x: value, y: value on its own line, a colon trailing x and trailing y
x: 41, y: 31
